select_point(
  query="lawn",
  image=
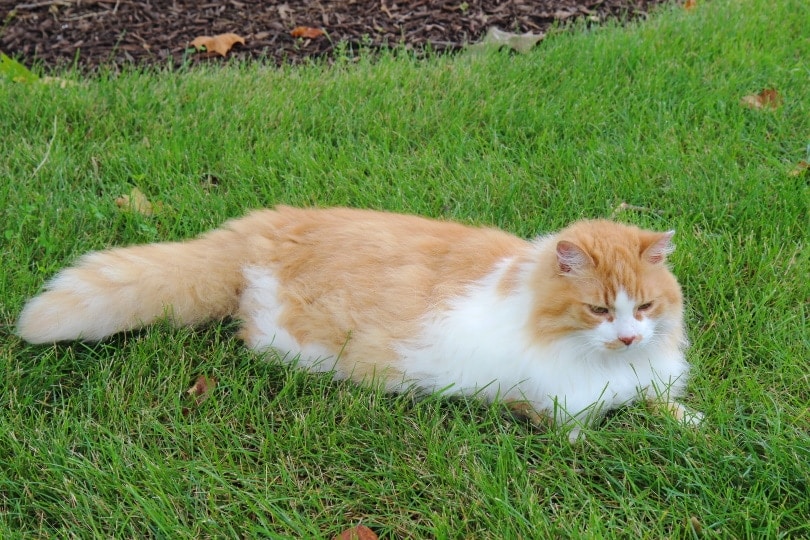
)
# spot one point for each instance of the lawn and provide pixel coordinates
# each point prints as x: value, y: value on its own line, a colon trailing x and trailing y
x: 102, y: 440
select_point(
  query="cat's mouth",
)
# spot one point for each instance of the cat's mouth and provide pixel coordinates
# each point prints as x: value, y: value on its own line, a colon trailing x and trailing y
x: 623, y: 343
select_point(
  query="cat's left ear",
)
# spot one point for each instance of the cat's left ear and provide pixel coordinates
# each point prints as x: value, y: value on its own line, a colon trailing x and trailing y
x: 571, y: 258
x: 659, y: 247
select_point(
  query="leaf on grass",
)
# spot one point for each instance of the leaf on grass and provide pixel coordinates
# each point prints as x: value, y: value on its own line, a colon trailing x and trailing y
x: 307, y: 32
x: 220, y: 44
x: 136, y: 201
x: 361, y: 532
x: 635, y: 208
x: 57, y: 81
x: 767, y: 99
x: 689, y: 5
x: 202, y: 388
x: 497, y: 38
x: 15, y: 71
x: 801, y: 168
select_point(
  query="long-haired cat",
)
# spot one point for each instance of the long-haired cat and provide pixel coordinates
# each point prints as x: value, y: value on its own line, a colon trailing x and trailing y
x: 564, y: 327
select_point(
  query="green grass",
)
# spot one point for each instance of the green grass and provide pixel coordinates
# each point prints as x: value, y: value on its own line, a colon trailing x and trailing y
x: 101, y: 441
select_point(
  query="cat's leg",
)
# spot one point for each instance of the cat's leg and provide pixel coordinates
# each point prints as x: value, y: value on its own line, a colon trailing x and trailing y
x: 525, y: 409
x: 572, y: 424
x: 575, y: 424
x: 677, y: 410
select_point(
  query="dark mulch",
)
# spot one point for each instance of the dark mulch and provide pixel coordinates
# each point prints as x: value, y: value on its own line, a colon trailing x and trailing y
x: 118, y: 32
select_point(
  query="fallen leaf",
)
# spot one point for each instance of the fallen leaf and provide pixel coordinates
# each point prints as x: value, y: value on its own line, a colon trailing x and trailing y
x: 136, y: 201
x: 562, y: 14
x: 689, y: 5
x: 306, y: 32
x: 801, y: 168
x: 220, y: 44
x: 361, y: 532
x: 202, y: 388
x: 625, y: 206
x: 496, y: 38
x: 57, y: 81
x: 285, y: 12
x: 767, y: 99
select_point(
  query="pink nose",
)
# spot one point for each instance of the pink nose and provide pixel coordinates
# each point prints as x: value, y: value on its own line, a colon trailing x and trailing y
x: 627, y: 340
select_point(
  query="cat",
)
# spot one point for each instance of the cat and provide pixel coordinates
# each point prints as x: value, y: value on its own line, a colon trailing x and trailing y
x: 563, y: 328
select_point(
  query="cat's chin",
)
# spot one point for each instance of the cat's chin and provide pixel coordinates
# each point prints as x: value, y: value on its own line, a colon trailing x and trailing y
x: 619, y: 347
x: 616, y: 347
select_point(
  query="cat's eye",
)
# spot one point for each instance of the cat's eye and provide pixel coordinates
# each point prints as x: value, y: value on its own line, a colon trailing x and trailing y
x: 645, y: 306
x: 598, y: 310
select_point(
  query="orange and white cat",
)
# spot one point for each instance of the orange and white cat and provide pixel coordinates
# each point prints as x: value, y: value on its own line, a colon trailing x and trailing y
x: 564, y: 327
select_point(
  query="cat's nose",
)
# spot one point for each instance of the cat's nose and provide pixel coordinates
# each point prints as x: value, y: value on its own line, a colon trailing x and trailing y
x: 627, y: 340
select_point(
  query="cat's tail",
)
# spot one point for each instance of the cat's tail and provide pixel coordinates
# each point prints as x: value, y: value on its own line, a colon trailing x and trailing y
x: 125, y: 288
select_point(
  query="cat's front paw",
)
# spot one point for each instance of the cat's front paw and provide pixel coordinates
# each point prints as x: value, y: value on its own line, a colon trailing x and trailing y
x: 576, y: 436
x: 691, y: 417
x: 682, y: 413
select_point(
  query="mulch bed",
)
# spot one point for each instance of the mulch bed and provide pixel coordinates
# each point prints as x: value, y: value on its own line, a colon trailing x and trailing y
x: 113, y: 33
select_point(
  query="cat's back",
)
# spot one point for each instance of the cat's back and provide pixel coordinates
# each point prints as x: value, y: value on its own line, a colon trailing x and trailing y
x: 367, y: 243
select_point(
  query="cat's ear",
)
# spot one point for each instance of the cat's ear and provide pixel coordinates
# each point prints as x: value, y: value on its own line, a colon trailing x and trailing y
x: 661, y: 246
x: 571, y: 258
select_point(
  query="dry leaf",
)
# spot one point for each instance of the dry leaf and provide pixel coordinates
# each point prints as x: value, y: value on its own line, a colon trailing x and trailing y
x: 306, y: 32
x: 635, y: 208
x: 202, y: 388
x: 361, y: 532
x: 57, y: 81
x: 220, y: 44
x: 767, y: 99
x: 136, y: 201
x: 496, y: 38
x: 562, y: 14
x: 801, y: 168
x: 689, y: 5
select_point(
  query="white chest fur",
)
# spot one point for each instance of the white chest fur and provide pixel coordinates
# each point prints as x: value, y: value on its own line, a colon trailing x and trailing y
x: 482, y: 346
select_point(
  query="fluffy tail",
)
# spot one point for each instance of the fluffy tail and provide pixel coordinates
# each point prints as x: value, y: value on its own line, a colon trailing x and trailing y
x: 122, y: 289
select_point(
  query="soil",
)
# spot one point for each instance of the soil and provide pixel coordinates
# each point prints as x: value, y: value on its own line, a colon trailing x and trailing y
x: 113, y: 33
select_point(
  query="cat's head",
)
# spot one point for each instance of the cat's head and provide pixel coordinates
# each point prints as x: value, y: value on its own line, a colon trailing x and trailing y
x: 608, y: 285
